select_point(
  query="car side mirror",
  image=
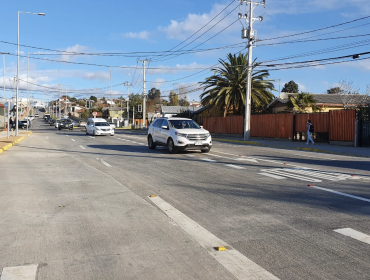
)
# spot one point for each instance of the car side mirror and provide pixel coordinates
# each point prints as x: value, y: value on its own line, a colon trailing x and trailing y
x: 164, y: 127
x: 201, y: 126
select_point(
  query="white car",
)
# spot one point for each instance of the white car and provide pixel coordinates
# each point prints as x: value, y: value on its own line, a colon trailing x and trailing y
x: 98, y: 126
x: 179, y: 134
x: 112, y: 124
x: 37, y: 115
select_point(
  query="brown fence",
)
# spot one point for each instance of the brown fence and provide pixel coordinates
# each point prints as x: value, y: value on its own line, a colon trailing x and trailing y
x: 342, y: 125
x: 320, y: 122
x: 272, y: 125
x: 228, y: 125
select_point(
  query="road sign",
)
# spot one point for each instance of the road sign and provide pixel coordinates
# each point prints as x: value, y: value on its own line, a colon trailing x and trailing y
x: 95, y: 114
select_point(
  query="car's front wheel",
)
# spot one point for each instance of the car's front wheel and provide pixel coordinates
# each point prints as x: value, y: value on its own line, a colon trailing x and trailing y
x: 171, y: 146
x: 206, y: 150
x: 151, y: 144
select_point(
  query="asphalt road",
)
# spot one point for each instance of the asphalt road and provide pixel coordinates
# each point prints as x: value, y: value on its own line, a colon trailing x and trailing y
x: 279, y: 208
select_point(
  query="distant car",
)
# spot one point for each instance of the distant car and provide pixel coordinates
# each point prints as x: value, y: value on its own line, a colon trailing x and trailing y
x: 82, y: 124
x: 37, y: 115
x: 99, y: 126
x: 52, y: 122
x: 20, y: 125
x: 57, y: 122
x: 112, y: 124
x: 65, y: 124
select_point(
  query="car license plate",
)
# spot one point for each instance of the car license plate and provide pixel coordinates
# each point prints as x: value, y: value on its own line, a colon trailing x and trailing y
x: 198, y: 143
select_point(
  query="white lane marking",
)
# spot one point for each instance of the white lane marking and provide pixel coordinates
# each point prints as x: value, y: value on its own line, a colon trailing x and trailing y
x: 247, y: 159
x: 26, y: 272
x: 314, y: 157
x: 73, y: 140
x: 104, y: 162
x: 208, y: 159
x: 235, y: 262
x: 354, y: 234
x: 189, y: 155
x: 282, y: 172
x: 92, y: 137
x: 82, y: 147
x: 67, y: 135
x: 142, y: 144
x: 344, y: 194
x: 119, y: 138
x: 234, y: 166
x: 238, y: 157
x: 272, y: 176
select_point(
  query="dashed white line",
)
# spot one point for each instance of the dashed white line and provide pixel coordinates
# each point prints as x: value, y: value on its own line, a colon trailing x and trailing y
x: 236, y: 263
x: 26, y: 272
x: 234, y: 166
x: 104, y: 162
x: 354, y: 234
x: 344, y: 194
x: 272, y: 176
x: 73, y: 140
x: 92, y: 137
x: 82, y: 147
x: 208, y: 159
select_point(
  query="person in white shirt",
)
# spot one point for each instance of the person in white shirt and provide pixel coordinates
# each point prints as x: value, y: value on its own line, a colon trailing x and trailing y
x: 309, y: 124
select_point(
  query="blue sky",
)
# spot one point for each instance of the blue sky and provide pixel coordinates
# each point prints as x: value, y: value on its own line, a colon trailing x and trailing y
x: 132, y: 27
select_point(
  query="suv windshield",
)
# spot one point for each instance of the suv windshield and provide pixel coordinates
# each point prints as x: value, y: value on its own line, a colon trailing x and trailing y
x: 101, y: 124
x: 183, y: 124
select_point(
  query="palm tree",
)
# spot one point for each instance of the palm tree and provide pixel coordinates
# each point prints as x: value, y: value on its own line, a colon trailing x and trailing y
x: 300, y: 102
x: 227, y: 87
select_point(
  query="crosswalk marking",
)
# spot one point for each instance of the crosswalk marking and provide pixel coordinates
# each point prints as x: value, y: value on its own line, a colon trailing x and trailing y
x: 26, y: 272
x: 208, y: 159
x: 284, y: 173
x: 354, y: 234
x: 314, y: 157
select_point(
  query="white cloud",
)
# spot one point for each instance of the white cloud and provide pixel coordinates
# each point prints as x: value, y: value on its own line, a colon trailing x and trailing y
x: 144, y: 35
x: 74, y: 49
x: 101, y: 76
x: 181, y: 30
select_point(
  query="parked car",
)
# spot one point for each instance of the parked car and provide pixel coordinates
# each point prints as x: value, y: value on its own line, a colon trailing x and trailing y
x: 98, y: 126
x: 65, y: 124
x: 20, y: 125
x: 112, y: 124
x: 179, y: 134
x: 82, y: 124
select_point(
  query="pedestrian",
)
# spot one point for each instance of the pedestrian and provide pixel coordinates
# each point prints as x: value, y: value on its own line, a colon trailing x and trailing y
x: 309, y: 131
x: 10, y: 123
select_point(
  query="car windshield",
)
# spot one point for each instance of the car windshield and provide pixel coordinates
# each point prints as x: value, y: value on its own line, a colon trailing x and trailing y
x: 183, y: 124
x: 101, y: 124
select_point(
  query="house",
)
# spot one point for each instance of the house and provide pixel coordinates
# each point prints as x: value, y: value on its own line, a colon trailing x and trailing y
x: 326, y: 102
x: 170, y: 111
x: 112, y: 112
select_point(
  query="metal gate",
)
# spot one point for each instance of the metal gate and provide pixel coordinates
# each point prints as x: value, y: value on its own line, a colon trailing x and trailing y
x: 364, y: 126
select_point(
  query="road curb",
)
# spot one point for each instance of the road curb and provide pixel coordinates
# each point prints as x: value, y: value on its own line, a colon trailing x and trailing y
x: 13, y: 143
x: 289, y: 148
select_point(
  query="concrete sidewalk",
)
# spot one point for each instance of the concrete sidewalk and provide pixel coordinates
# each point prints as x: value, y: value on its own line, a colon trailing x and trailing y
x: 6, y: 143
x: 296, y: 145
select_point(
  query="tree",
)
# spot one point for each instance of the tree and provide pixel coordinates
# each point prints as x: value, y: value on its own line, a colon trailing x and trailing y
x: 226, y: 89
x: 290, y: 87
x: 334, y: 90
x: 174, y: 99
x: 92, y: 97
x: 184, y: 102
x: 300, y: 102
x: 155, y: 95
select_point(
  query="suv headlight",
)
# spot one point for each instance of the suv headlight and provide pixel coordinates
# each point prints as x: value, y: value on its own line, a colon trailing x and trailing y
x: 207, y: 135
x: 181, y: 134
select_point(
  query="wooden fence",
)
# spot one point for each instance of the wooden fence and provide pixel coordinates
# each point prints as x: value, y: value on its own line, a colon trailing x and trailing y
x: 228, y: 125
x: 272, y: 125
x: 342, y: 125
x: 339, y: 124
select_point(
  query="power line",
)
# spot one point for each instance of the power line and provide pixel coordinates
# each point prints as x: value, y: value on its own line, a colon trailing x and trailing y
x: 320, y: 29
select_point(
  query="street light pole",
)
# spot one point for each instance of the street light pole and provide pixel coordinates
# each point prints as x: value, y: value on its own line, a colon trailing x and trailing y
x: 16, y: 99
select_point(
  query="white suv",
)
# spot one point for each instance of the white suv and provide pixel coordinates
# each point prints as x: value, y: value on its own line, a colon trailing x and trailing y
x: 179, y: 134
x: 98, y: 126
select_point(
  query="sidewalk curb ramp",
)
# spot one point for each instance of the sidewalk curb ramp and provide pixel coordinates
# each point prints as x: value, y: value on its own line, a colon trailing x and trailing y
x: 2, y: 149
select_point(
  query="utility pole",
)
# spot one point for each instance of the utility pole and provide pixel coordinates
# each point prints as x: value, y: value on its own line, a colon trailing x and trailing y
x: 59, y: 104
x: 128, y: 100
x: 144, y: 92
x: 249, y: 34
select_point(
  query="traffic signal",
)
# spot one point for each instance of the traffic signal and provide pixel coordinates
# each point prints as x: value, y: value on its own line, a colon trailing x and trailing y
x: 139, y: 108
x: 88, y: 104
